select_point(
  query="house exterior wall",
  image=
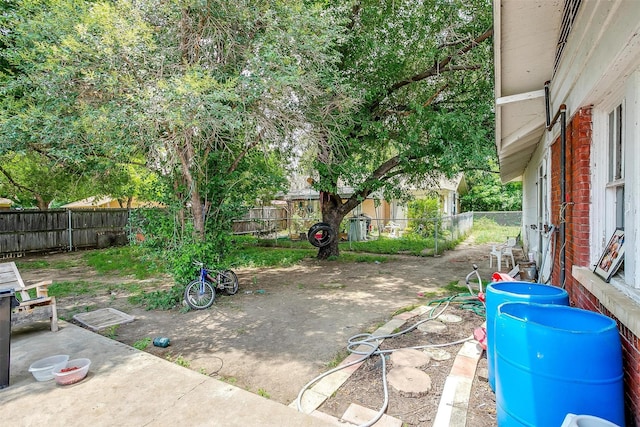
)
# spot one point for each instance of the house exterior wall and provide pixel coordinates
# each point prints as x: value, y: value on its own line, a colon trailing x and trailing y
x: 575, y: 213
x: 599, y: 70
x: 586, y: 290
x: 530, y: 232
x: 538, y: 234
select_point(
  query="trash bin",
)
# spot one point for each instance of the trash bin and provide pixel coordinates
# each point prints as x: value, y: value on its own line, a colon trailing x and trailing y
x: 357, y: 229
x: 7, y: 299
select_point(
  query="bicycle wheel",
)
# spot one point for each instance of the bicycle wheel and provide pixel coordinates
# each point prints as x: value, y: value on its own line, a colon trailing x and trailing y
x: 199, y: 295
x: 228, y: 280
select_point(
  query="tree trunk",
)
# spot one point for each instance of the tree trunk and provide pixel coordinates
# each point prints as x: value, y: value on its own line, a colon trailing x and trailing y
x: 197, y: 209
x: 332, y: 214
x: 43, y: 205
x: 187, y: 156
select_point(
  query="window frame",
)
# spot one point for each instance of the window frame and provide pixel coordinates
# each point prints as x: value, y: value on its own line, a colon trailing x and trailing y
x: 609, y: 155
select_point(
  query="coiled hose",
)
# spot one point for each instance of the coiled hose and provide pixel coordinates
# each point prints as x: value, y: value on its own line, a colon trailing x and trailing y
x: 373, y: 342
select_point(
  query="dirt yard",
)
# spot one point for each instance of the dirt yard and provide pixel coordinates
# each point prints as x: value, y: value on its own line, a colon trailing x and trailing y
x: 288, y: 325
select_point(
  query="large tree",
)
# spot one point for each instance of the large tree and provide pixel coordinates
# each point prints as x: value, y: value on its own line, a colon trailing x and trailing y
x: 213, y: 94
x: 64, y: 133
x: 231, y: 87
x: 422, y: 72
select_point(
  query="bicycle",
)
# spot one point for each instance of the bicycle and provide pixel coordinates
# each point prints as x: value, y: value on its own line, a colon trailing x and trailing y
x: 200, y: 293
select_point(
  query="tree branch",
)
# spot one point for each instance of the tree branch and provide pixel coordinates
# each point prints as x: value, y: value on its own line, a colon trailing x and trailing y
x: 437, y: 68
x: 364, y: 192
x: 405, y: 110
x: 14, y: 183
x: 355, y: 10
x: 244, y: 152
x: 442, y: 65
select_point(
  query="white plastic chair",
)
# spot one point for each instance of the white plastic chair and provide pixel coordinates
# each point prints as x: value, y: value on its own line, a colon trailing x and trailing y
x: 496, y: 252
x: 507, y: 250
x: 504, y: 250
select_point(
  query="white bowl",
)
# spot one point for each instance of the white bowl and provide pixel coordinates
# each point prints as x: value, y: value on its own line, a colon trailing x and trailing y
x: 73, y: 371
x: 42, y: 370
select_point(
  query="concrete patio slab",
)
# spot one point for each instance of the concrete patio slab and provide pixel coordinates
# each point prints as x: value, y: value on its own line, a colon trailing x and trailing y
x: 127, y: 387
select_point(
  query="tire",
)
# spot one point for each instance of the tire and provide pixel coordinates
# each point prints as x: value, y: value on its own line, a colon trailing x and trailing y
x: 228, y: 280
x: 327, y: 236
x: 199, y: 300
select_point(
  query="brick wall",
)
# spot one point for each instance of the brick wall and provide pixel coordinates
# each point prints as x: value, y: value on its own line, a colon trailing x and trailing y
x: 575, y: 211
x: 576, y: 217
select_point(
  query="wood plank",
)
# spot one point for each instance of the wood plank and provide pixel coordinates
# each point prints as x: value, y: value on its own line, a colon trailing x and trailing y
x: 454, y: 401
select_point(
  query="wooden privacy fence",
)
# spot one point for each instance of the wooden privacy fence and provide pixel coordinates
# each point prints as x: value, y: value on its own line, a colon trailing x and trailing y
x: 61, y: 229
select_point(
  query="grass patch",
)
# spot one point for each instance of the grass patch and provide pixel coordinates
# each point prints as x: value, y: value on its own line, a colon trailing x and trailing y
x: 486, y: 230
x: 35, y: 264
x: 125, y: 260
x: 178, y: 360
x: 371, y: 329
x: 159, y: 299
x: 142, y: 344
x: 80, y: 287
x: 338, y: 358
x: 261, y: 256
x: 111, y: 332
x: 454, y: 288
x: 141, y: 263
x: 229, y: 380
x: 39, y: 264
x: 429, y: 295
x: 411, y: 244
x: 405, y: 309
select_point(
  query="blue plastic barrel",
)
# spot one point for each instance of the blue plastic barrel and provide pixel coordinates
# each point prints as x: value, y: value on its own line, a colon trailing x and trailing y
x: 552, y: 360
x: 501, y: 292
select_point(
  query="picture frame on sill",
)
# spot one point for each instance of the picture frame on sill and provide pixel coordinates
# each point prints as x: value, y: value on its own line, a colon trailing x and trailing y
x: 612, y: 256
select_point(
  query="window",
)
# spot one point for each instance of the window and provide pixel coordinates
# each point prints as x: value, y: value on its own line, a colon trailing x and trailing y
x: 615, y: 180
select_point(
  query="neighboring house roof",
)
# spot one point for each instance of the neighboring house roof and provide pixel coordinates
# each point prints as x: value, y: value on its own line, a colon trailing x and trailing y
x: 90, y: 202
x: 457, y: 184
x: 5, y: 202
x: 108, y: 202
x: 526, y: 38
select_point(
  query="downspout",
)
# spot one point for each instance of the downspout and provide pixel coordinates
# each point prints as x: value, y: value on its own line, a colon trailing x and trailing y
x: 562, y: 115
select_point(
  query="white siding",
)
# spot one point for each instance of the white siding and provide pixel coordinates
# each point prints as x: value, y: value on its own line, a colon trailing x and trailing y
x: 632, y: 180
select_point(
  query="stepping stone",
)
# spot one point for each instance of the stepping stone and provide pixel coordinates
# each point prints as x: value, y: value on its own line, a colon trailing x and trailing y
x: 409, y: 357
x: 432, y: 327
x: 359, y: 415
x: 437, y: 354
x: 410, y: 382
x: 449, y: 318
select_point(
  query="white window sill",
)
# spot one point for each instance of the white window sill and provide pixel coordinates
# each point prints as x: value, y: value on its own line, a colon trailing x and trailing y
x: 622, y: 302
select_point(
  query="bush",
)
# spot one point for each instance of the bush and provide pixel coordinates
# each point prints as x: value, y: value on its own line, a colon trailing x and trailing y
x: 425, y: 217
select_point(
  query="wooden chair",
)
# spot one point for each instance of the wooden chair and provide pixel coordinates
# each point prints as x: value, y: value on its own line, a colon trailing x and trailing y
x: 30, y: 309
